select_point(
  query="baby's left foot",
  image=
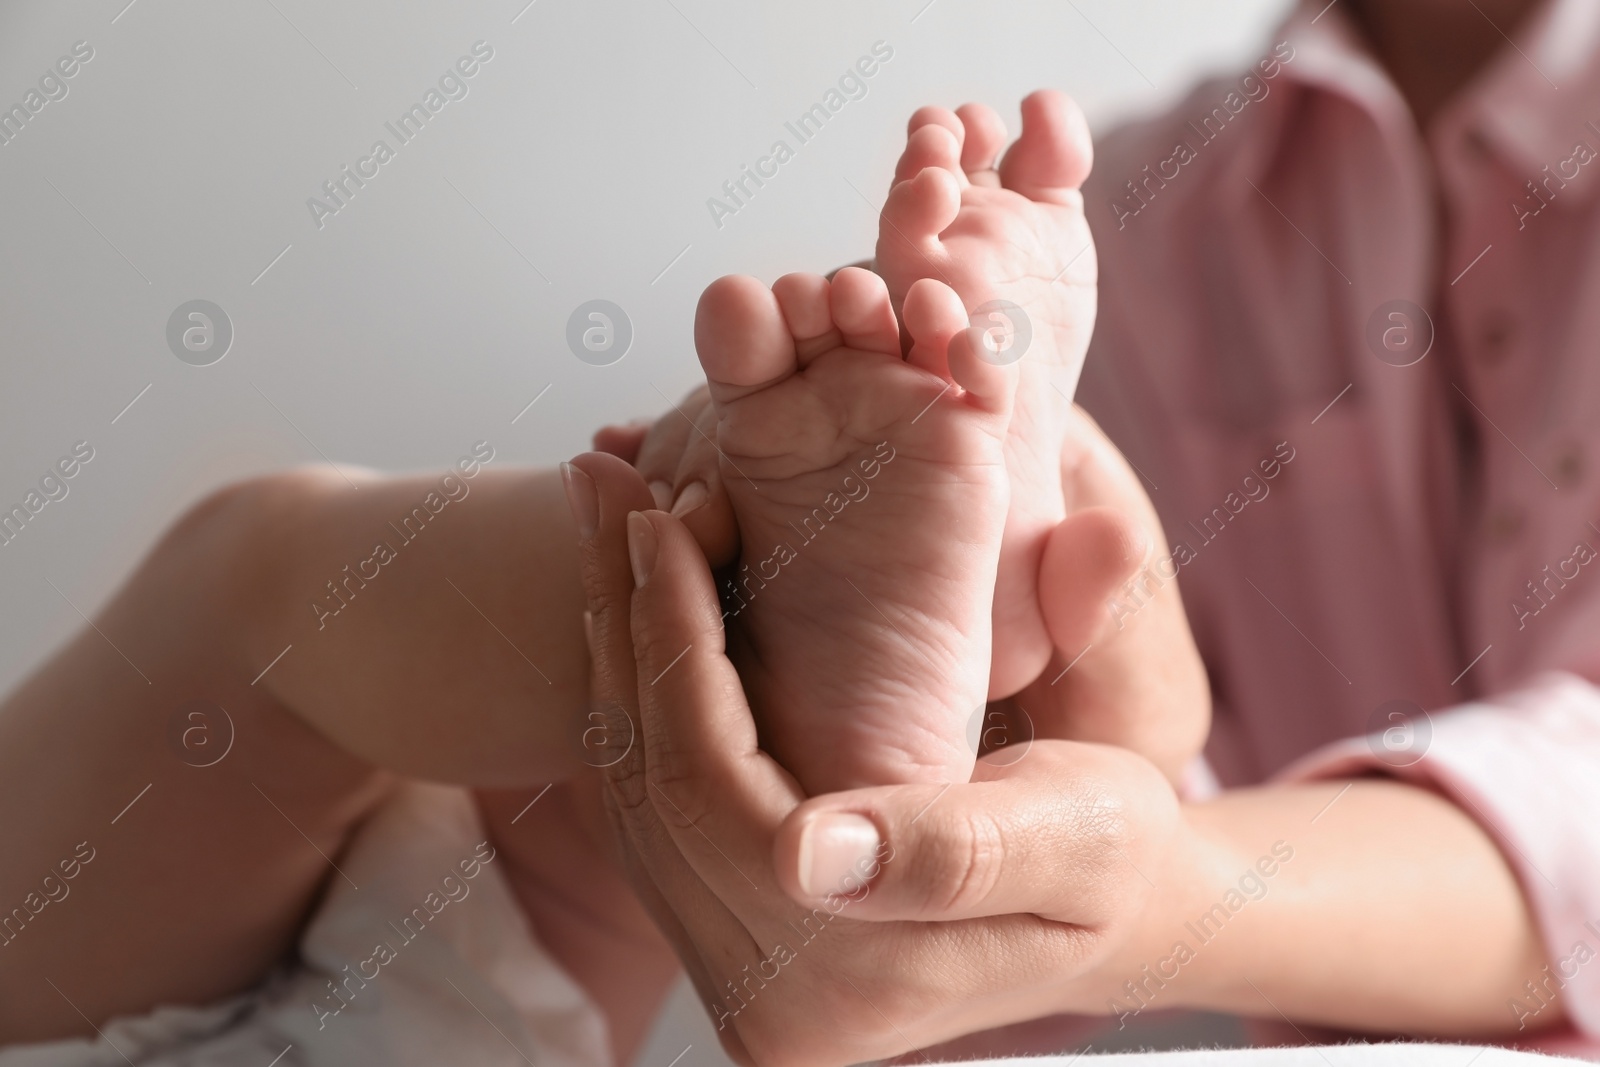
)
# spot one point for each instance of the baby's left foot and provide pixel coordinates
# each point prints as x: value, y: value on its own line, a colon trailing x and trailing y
x: 1016, y: 234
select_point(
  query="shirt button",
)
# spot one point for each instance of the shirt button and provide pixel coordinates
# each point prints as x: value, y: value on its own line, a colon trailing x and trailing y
x: 1568, y: 471
x: 1499, y: 329
x: 1503, y: 525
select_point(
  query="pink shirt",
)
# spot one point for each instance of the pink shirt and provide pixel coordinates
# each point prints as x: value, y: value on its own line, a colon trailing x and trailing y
x: 1357, y: 530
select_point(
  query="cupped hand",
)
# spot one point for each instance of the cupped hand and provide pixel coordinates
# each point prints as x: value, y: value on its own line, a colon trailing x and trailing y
x: 858, y: 925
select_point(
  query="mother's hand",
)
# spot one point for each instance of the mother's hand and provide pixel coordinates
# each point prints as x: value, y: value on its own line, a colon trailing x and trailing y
x: 928, y: 912
x: 1125, y: 670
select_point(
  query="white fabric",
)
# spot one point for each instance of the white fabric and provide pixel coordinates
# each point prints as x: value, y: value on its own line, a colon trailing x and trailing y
x: 472, y: 987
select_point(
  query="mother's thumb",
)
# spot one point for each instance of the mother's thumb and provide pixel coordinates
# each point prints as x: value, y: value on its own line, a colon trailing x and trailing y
x: 939, y: 853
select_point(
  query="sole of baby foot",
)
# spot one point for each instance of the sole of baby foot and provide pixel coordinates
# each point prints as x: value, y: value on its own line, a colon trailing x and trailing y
x: 1011, y: 239
x: 870, y: 492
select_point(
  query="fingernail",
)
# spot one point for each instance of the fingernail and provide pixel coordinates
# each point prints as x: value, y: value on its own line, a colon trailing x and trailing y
x: 694, y: 494
x: 837, y: 853
x: 583, y: 499
x: 662, y: 493
x: 641, y: 547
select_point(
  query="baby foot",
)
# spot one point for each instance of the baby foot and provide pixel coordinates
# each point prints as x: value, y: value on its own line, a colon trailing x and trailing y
x: 1017, y: 234
x: 871, y: 492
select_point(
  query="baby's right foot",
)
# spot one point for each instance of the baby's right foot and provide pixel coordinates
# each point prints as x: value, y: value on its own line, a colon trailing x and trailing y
x: 1016, y: 234
x: 870, y: 491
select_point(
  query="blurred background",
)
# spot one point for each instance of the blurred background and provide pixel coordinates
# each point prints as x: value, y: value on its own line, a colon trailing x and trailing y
x: 431, y: 309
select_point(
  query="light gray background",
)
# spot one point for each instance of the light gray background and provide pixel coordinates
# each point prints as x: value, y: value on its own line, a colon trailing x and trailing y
x: 417, y: 321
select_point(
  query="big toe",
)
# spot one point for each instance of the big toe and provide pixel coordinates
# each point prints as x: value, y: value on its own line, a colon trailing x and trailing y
x: 1054, y: 154
x: 741, y: 336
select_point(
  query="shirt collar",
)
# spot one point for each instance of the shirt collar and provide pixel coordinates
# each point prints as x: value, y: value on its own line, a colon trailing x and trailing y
x: 1329, y: 56
x: 1532, y: 104
x: 1535, y: 101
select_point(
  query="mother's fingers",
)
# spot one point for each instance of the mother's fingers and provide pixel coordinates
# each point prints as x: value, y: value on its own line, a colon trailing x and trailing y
x: 1086, y: 559
x: 721, y: 796
x: 603, y: 492
x: 1062, y: 833
x: 672, y: 729
x: 1142, y: 684
x: 679, y: 459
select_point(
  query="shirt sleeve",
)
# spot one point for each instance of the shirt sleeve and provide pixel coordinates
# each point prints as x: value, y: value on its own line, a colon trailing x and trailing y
x: 1526, y: 765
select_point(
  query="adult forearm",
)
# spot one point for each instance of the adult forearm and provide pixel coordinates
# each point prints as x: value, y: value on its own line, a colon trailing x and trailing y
x: 1368, y: 905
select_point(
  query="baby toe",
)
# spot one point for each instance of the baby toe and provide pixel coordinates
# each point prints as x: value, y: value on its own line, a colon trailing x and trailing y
x: 933, y: 115
x: 804, y: 299
x: 932, y: 315
x: 862, y: 312
x: 985, y: 135
x: 931, y: 145
x: 741, y: 337
x: 917, y: 211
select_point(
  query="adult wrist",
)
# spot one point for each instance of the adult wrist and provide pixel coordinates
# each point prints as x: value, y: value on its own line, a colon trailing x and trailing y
x: 1205, y: 884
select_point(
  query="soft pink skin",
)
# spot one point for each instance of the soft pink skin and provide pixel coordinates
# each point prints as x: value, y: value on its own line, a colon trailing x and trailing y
x: 867, y: 650
x: 1081, y: 523
x: 1016, y: 233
